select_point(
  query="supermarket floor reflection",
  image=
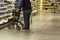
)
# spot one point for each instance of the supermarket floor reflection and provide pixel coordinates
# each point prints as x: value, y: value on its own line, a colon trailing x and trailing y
x: 47, y: 28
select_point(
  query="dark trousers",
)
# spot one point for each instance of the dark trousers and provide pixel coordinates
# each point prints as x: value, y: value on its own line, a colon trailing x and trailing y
x: 26, y: 15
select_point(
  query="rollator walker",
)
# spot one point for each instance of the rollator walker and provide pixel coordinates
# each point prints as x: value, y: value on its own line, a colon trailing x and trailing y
x: 15, y: 20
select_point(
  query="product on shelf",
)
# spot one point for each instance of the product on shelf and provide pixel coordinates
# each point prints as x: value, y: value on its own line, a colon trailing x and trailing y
x: 5, y: 11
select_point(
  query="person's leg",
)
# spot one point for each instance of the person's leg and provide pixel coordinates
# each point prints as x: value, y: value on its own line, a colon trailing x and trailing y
x: 27, y: 19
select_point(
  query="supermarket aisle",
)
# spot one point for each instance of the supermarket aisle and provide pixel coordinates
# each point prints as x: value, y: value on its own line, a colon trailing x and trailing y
x: 48, y: 29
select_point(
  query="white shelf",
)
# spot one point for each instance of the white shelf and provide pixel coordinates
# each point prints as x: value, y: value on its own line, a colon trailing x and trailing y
x: 5, y: 15
x: 2, y: 3
x: 5, y: 20
x: 3, y: 7
x: 58, y: 2
x: 10, y: 5
x: 3, y: 11
x: 46, y: 4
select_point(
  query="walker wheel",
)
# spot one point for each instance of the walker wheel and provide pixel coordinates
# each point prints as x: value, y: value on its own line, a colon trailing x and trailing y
x: 18, y: 27
x: 11, y: 27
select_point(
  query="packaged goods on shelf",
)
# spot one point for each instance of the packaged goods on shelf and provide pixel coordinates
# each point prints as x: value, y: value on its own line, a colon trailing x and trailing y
x: 5, y: 12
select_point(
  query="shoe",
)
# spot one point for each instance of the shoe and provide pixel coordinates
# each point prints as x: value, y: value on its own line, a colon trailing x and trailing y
x: 26, y: 29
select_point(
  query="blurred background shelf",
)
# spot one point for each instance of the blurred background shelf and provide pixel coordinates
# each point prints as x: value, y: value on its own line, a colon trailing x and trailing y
x: 5, y: 12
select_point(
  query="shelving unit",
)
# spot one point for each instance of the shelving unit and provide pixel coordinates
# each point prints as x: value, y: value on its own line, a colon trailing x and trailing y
x: 35, y: 6
x: 58, y: 6
x: 51, y: 6
x: 5, y: 12
x: 48, y: 7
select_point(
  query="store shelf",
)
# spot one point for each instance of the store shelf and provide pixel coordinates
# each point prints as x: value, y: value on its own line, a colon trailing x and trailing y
x: 10, y: 5
x: 2, y: 3
x: 46, y: 4
x: 58, y: 2
x: 3, y: 7
x: 5, y: 13
x: 10, y: 8
x: 34, y: 11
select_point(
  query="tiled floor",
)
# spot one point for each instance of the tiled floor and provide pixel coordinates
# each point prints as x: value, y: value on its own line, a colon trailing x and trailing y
x: 46, y: 28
